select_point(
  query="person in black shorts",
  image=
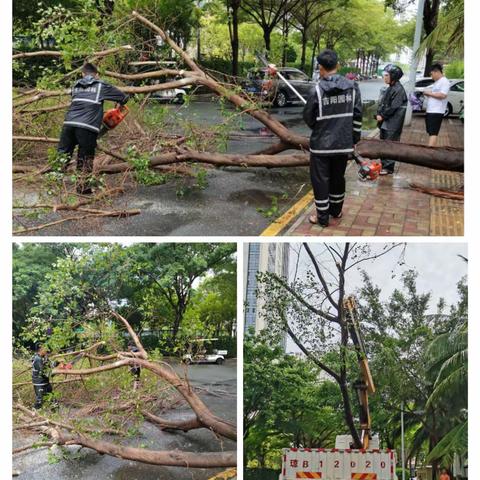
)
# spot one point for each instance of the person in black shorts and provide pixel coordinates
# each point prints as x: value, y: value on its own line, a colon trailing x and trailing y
x: 437, y: 102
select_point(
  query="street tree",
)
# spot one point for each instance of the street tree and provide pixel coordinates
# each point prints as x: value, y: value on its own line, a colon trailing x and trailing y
x: 311, y: 311
x: 153, y: 287
x: 306, y: 13
x: 409, y: 346
x: 286, y: 403
x: 431, y: 11
x: 31, y: 264
x: 268, y: 14
x: 171, y: 270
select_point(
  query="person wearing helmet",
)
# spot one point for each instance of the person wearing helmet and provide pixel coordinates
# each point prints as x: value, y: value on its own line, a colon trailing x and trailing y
x: 391, y: 111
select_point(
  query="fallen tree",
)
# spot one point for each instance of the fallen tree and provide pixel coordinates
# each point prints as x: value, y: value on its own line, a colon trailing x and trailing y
x: 172, y: 157
x: 436, y: 158
x: 65, y: 432
x: 447, y: 158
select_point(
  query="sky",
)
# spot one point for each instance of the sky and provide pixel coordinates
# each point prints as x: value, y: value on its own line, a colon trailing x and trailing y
x: 438, y: 264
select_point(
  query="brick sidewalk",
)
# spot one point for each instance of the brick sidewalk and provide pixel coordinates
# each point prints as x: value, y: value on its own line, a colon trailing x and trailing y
x: 388, y: 206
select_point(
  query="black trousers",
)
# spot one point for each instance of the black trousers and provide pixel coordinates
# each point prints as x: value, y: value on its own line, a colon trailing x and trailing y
x: 388, y: 164
x: 40, y: 392
x: 86, y: 141
x: 327, y: 174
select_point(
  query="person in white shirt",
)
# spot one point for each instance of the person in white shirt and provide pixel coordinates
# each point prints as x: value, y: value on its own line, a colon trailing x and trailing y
x: 436, y: 103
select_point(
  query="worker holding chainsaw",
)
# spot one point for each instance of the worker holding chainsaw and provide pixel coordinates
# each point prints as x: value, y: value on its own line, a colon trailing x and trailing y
x: 391, y: 111
x: 83, y: 121
x: 41, y: 371
x: 334, y: 113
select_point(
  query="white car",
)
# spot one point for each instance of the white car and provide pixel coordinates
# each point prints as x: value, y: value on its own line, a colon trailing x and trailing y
x: 217, y: 357
x: 176, y: 95
x: 455, y: 95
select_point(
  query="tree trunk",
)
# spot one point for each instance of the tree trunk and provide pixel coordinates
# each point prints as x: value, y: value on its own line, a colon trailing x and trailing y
x: 179, y: 312
x: 304, y: 49
x: 266, y: 37
x: 169, y: 458
x: 285, y: 41
x: 446, y: 158
x: 234, y: 6
x: 428, y: 62
x: 347, y: 407
x: 430, y: 20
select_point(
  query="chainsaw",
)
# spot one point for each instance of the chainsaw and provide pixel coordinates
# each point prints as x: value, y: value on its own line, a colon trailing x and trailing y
x: 112, y: 117
x: 368, y: 170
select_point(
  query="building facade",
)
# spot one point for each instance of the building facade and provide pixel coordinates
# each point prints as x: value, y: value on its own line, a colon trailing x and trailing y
x: 259, y: 258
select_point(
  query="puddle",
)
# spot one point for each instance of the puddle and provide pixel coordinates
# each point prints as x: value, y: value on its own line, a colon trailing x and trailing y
x: 254, y: 196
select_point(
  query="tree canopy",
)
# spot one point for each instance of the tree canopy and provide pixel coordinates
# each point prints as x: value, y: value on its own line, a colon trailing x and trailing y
x: 156, y: 286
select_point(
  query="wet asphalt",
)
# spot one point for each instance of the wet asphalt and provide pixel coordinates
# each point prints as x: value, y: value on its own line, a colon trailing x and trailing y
x: 220, y: 381
x: 236, y: 201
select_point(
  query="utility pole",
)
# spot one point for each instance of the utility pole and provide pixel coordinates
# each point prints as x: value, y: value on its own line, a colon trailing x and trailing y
x: 414, y: 60
x: 403, y: 442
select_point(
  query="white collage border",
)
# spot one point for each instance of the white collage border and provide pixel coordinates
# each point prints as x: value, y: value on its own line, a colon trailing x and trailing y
x: 472, y: 237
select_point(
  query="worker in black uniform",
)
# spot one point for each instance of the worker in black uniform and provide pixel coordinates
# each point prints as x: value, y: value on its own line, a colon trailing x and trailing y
x: 83, y: 121
x: 135, y: 369
x: 334, y: 113
x: 41, y: 375
x: 391, y: 111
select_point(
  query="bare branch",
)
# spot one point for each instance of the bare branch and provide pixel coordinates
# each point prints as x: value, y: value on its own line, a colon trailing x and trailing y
x: 138, y: 343
x: 320, y: 276
x: 298, y: 297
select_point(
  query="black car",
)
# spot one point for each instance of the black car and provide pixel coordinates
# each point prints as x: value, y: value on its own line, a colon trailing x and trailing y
x: 272, y: 88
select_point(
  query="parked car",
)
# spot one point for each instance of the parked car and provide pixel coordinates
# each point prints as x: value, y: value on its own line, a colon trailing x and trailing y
x: 276, y: 90
x: 217, y: 357
x: 455, y: 95
x: 175, y: 95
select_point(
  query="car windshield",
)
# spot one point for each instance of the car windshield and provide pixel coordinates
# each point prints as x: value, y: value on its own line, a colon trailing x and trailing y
x: 424, y: 83
x: 294, y: 75
x: 458, y: 87
x: 256, y: 75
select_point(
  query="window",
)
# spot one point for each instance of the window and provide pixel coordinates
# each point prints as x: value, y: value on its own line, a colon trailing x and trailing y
x: 296, y: 75
x: 458, y: 87
x: 424, y: 83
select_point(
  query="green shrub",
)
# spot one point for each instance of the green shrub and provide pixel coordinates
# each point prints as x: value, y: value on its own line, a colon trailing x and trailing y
x: 455, y: 69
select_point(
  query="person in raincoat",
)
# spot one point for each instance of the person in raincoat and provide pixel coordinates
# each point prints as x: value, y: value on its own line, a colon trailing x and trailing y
x: 391, y: 111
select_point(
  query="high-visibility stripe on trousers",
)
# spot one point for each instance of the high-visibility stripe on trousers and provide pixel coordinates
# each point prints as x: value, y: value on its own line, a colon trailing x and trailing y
x: 309, y: 475
x: 364, y: 476
x: 328, y: 181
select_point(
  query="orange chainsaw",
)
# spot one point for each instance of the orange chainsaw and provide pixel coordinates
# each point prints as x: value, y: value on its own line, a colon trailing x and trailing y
x: 112, y: 117
x: 367, y: 170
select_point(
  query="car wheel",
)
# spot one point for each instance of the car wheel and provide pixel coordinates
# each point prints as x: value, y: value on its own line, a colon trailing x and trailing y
x: 281, y: 99
x: 179, y: 98
x: 219, y: 361
x: 448, y: 110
